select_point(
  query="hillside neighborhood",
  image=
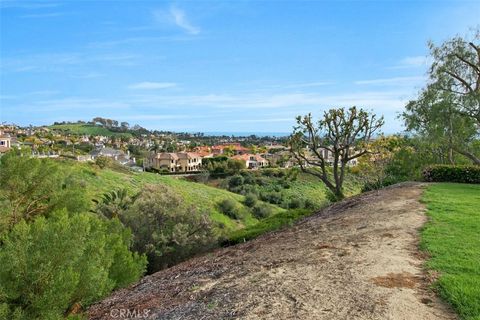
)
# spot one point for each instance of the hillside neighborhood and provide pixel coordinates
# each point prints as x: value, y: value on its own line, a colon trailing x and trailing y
x: 162, y: 153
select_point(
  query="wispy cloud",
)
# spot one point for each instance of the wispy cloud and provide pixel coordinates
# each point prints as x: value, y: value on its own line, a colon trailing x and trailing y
x: 305, y: 85
x: 51, y: 62
x: 152, y: 85
x: 43, y: 15
x: 135, y: 40
x: 182, y: 21
x: 267, y: 120
x: 68, y: 104
x: 43, y: 93
x: 177, y: 17
x: 393, y: 81
x: 27, y: 4
x: 88, y: 75
x: 380, y: 100
x: 413, y: 62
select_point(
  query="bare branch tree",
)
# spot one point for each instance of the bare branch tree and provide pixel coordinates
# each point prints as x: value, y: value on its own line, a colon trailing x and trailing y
x: 342, y: 134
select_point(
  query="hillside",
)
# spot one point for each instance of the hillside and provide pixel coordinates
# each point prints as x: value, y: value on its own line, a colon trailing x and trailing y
x: 88, y: 129
x: 202, y: 197
x: 355, y: 259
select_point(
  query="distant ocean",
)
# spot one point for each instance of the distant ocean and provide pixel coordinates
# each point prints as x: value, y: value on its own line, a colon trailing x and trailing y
x: 246, y: 134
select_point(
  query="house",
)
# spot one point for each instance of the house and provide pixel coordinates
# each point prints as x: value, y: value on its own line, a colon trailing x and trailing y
x: 282, y: 159
x: 114, y: 154
x: 175, y: 162
x: 164, y: 160
x: 189, y: 161
x: 5, y: 142
x: 235, y: 147
x: 252, y: 161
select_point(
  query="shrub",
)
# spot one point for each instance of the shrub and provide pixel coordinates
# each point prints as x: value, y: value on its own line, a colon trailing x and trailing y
x: 54, y: 263
x: 272, y: 197
x: 31, y: 187
x: 165, y: 229
x: 250, y: 200
x: 103, y: 162
x: 309, y: 204
x: 295, y: 203
x: 229, y: 208
x: 261, y: 211
x: 451, y: 173
x: 380, y: 183
x: 235, y: 181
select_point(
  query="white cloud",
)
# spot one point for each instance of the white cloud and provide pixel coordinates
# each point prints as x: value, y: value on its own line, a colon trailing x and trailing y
x: 267, y: 120
x: 413, y: 62
x: 177, y: 17
x: 381, y: 100
x: 393, y: 81
x: 58, y: 62
x: 43, y: 15
x: 152, y: 85
x: 305, y: 85
x: 181, y: 20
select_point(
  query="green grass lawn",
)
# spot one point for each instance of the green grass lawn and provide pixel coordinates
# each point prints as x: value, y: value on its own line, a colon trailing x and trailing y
x: 452, y: 238
x: 87, y: 129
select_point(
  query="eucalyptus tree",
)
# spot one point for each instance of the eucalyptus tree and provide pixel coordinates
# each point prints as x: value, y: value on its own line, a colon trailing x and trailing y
x: 447, y: 110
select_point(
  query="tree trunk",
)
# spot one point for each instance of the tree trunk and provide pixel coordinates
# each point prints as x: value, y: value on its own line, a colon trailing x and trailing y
x: 469, y: 155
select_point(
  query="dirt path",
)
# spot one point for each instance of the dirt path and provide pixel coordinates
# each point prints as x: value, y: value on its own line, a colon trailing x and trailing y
x: 355, y: 260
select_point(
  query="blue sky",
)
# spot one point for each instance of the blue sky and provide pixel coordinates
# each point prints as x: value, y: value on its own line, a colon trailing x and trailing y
x: 238, y: 66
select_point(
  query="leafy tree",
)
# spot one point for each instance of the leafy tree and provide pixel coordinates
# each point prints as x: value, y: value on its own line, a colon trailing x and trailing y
x: 228, y: 151
x: 456, y: 70
x: 165, y: 229
x: 235, y: 166
x: 56, y: 264
x: 447, y: 111
x: 124, y: 126
x: 342, y: 132
x: 31, y: 187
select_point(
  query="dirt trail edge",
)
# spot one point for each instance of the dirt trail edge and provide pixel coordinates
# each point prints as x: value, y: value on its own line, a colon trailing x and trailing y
x: 357, y: 259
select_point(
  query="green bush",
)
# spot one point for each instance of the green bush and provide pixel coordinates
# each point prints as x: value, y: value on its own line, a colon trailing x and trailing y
x: 296, y: 203
x: 379, y: 184
x: 54, y: 263
x: 229, y: 208
x: 103, y: 162
x: 261, y: 211
x: 451, y: 173
x: 165, y: 229
x: 31, y: 188
x: 250, y: 200
x: 272, y: 197
x: 235, y: 181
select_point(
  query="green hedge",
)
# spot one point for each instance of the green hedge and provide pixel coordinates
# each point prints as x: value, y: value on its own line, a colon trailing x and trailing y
x: 451, y: 173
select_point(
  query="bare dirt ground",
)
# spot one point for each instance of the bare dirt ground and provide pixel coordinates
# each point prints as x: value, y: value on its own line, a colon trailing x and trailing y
x: 357, y: 259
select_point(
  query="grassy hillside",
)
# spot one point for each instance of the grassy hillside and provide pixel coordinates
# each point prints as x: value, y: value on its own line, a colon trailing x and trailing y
x: 304, y: 189
x: 87, y: 129
x: 308, y: 187
x: 202, y: 197
x: 451, y: 237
